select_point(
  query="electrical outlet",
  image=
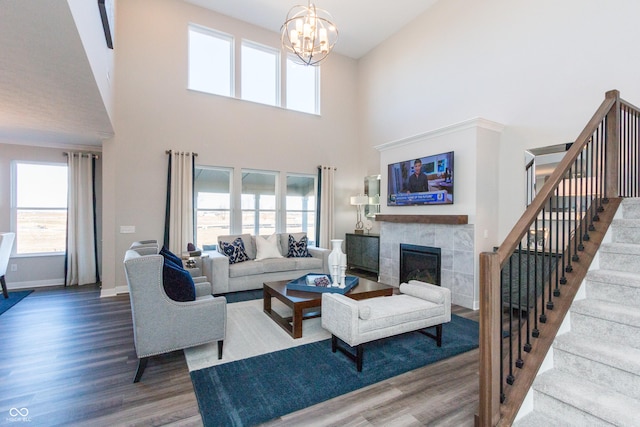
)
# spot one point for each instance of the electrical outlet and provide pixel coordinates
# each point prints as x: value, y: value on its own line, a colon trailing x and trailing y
x: 127, y: 229
x: 14, y: 267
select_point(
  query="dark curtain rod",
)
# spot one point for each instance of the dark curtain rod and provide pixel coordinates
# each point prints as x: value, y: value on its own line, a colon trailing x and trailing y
x: 95, y: 156
x: 183, y: 152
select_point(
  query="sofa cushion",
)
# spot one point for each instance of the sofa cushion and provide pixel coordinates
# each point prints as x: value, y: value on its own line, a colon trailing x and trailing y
x: 267, y: 247
x: 248, y: 268
x: 298, y: 248
x: 167, y: 254
x: 279, y: 264
x: 307, y: 263
x: 177, y: 282
x: 396, y: 310
x: 234, y: 250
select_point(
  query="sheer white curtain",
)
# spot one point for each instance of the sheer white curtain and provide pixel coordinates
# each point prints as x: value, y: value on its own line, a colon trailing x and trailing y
x: 326, y: 228
x: 81, y: 266
x: 179, y: 221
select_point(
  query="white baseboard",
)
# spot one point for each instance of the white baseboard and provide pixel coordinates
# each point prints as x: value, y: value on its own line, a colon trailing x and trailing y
x: 35, y: 284
x: 112, y: 292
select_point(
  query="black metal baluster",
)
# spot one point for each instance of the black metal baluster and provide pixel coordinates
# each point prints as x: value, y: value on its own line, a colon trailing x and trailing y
x: 576, y: 230
x: 527, y: 345
x: 510, y: 377
x: 519, y: 361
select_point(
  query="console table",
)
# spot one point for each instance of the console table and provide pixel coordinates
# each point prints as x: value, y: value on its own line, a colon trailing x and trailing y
x: 363, y: 251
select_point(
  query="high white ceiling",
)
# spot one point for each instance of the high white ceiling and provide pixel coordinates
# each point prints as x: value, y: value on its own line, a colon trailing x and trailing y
x: 362, y: 24
x: 48, y: 94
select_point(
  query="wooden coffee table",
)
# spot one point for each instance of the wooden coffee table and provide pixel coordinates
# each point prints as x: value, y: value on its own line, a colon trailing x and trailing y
x: 306, y: 305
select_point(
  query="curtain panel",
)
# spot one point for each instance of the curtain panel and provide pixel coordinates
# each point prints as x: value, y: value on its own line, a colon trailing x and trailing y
x: 326, y: 206
x: 81, y: 265
x: 179, y: 211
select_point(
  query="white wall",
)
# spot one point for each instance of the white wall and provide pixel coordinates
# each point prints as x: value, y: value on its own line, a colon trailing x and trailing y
x: 540, y: 68
x: 154, y: 112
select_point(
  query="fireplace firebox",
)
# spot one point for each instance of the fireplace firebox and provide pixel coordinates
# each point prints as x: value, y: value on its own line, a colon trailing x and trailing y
x: 419, y: 263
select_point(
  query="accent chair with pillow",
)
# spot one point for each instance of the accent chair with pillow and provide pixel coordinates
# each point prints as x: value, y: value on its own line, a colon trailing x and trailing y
x: 6, y: 242
x: 243, y: 261
x: 169, y: 310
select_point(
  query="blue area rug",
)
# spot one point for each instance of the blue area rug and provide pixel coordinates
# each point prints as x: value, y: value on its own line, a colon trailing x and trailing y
x: 255, y: 390
x: 14, y: 298
x: 243, y: 295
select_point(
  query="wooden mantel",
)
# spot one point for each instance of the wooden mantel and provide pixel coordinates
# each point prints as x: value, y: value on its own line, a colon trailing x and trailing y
x: 424, y: 219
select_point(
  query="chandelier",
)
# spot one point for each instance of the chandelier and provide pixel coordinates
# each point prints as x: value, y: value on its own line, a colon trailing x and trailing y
x: 309, y: 33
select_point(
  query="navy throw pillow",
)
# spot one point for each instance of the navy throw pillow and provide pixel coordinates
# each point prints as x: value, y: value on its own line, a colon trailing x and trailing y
x: 177, y: 282
x: 234, y: 250
x: 298, y: 249
x: 167, y: 254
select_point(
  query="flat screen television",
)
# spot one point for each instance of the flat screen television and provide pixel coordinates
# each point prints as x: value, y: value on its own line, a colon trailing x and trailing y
x: 421, y: 181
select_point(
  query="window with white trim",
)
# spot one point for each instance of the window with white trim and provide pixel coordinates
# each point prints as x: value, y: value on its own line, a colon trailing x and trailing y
x: 260, y: 73
x: 212, y: 187
x: 40, y: 207
x: 211, y: 61
x: 258, y: 202
x: 303, y: 87
x: 301, y: 205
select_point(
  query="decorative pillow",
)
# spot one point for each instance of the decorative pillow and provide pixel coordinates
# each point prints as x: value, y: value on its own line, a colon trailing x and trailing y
x: 168, y: 255
x: 234, y: 250
x: 267, y: 248
x: 177, y: 282
x: 298, y: 249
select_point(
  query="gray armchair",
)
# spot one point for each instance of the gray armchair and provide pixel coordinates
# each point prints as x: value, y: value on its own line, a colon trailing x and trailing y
x: 160, y: 324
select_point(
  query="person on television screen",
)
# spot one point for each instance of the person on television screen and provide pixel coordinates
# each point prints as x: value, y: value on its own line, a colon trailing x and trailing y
x: 418, y: 182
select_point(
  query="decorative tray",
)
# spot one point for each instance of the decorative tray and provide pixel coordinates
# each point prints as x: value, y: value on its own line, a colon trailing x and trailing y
x: 305, y: 285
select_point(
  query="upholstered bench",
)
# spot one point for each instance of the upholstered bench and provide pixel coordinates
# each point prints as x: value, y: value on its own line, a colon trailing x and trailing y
x: 419, y: 305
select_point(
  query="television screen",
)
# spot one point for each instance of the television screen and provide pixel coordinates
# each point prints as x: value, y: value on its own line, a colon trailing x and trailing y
x: 421, y: 181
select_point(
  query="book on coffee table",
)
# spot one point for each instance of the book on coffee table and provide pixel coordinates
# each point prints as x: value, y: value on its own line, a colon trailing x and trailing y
x: 320, y: 283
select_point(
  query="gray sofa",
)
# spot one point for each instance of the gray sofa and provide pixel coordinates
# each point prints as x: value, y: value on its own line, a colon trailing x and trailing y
x: 225, y: 277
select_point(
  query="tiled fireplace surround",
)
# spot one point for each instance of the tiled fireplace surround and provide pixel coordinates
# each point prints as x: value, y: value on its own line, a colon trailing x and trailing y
x: 457, y: 257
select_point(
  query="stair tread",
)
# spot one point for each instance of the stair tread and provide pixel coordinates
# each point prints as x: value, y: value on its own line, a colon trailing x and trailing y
x: 614, y: 277
x: 614, y: 312
x: 621, y: 248
x: 619, y: 356
x: 600, y: 402
x: 626, y: 222
x: 534, y: 419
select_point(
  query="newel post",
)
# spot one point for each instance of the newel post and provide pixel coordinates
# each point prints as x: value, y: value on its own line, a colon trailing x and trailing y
x: 612, y: 147
x: 490, y: 340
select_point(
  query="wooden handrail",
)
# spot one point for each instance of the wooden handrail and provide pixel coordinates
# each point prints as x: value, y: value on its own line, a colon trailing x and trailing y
x: 520, y: 228
x: 491, y: 264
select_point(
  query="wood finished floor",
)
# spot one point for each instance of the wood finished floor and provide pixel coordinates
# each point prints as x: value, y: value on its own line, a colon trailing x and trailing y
x: 67, y: 356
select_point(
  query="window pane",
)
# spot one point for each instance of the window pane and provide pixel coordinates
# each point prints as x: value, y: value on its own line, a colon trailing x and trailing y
x: 302, y: 87
x: 260, y: 77
x: 258, y: 203
x: 301, y: 205
x: 210, y: 226
x: 210, y: 62
x: 41, y: 231
x: 213, y: 205
x: 41, y: 208
x: 41, y: 186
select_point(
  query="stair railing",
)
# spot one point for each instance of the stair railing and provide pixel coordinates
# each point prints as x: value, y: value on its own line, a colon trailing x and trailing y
x: 524, y: 284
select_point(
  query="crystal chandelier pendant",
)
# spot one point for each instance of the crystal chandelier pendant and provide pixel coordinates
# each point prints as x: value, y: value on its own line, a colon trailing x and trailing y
x: 309, y: 34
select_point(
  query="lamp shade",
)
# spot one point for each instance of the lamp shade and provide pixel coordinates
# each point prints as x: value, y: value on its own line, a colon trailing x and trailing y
x: 359, y: 200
